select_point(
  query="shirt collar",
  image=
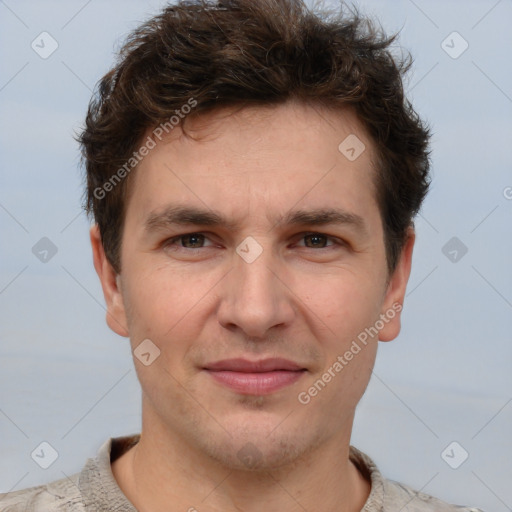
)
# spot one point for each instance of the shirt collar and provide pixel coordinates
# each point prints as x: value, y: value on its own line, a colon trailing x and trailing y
x: 101, y: 492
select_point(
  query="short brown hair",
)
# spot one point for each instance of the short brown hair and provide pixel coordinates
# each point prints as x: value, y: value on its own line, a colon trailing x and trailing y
x: 254, y: 52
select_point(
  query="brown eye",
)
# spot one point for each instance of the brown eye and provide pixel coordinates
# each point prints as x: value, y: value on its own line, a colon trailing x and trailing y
x: 191, y: 247
x: 188, y: 241
x: 316, y: 240
x: 192, y: 241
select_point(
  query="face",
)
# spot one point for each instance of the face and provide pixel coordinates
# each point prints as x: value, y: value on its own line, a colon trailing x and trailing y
x: 253, y: 260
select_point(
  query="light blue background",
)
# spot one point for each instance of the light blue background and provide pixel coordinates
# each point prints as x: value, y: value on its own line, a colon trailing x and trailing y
x: 66, y: 379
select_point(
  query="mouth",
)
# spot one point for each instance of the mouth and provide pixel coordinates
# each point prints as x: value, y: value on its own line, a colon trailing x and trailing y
x: 255, y: 377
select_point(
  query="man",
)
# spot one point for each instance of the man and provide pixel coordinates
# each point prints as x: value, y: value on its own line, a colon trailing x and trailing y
x: 253, y: 171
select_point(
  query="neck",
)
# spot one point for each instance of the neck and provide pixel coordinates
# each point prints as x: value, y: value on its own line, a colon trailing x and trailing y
x: 164, y: 473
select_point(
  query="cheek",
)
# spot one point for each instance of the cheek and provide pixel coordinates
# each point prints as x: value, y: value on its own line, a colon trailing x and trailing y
x: 164, y: 302
x: 157, y: 293
x: 341, y: 303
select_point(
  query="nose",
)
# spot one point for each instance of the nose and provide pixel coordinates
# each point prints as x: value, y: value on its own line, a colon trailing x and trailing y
x: 255, y: 297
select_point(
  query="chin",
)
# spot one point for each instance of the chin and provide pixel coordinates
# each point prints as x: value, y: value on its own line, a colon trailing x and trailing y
x: 261, y: 444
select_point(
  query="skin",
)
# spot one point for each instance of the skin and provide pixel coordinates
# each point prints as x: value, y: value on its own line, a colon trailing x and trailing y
x: 304, y: 298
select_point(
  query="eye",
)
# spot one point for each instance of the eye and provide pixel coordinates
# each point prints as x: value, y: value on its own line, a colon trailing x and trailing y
x: 319, y: 241
x: 188, y: 241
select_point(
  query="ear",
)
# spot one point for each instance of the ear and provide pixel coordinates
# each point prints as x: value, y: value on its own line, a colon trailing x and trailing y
x: 116, y: 315
x: 395, y: 292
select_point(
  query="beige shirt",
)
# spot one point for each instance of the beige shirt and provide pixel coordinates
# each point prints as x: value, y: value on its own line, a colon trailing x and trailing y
x: 95, y: 489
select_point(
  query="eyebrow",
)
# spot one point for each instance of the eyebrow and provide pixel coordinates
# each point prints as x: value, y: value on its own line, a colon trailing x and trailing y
x: 323, y: 216
x: 186, y: 215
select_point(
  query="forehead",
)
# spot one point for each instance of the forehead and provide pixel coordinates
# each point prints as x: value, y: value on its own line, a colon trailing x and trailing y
x: 259, y: 162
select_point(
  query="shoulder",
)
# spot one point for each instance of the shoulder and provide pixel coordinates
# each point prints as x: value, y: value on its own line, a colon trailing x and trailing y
x: 389, y: 496
x: 60, y: 495
x: 400, y: 495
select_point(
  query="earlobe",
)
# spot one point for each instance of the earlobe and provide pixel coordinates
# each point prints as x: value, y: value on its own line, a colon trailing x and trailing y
x: 116, y: 315
x: 395, y: 294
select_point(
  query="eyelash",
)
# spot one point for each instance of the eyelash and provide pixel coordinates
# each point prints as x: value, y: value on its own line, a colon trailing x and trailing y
x: 171, y: 242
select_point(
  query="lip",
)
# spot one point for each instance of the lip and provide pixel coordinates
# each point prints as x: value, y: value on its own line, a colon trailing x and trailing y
x: 255, y: 377
x: 244, y: 365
